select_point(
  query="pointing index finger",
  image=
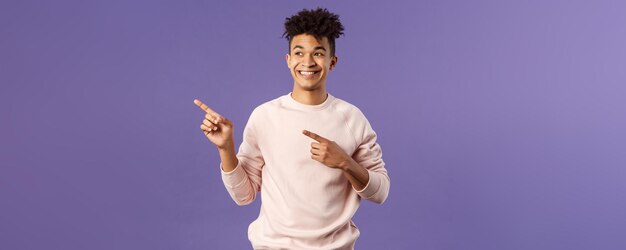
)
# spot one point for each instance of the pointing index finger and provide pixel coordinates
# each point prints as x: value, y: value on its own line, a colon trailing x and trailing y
x: 205, y: 108
x: 314, y: 136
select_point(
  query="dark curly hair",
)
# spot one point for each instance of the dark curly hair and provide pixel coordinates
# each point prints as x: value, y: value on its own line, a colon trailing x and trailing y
x: 318, y: 23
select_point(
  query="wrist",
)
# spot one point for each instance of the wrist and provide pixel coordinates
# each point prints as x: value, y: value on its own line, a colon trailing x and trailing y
x: 345, y: 165
x: 227, y: 146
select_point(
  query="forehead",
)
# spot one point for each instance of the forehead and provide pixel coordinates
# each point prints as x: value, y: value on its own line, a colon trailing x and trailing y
x: 309, y: 42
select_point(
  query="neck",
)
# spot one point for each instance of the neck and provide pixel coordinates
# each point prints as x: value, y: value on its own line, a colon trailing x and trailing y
x: 309, y: 97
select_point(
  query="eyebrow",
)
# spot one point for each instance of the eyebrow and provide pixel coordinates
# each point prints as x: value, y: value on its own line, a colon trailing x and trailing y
x: 316, y: 48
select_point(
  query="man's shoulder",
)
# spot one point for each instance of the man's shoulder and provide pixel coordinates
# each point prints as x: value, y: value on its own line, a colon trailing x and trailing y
x: 349, y: 109
x: 267, y: 107
x: 269, y: 104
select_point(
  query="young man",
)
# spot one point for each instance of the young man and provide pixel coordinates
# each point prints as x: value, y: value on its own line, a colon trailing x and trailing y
x: 312, y: 156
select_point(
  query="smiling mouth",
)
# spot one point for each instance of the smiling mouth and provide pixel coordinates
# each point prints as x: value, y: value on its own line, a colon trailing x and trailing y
x: 308, y: 74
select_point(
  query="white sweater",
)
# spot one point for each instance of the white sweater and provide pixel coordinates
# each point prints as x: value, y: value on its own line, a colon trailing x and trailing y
x: 305, y: 204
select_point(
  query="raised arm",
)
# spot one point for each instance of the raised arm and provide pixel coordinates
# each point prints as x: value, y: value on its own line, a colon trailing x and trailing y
x: 241, y: 172
x: 219, y: 131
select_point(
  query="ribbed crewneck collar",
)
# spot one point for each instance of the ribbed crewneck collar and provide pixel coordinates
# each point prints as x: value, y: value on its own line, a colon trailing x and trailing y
x: 290, y: 102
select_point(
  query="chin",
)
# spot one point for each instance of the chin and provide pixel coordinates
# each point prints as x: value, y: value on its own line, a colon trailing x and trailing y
x: 309, y: 87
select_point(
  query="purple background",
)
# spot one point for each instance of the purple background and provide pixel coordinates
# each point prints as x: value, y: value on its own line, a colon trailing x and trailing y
x: 503, y: 124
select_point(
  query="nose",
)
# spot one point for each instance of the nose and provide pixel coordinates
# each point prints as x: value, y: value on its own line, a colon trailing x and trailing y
x: 308, y: 61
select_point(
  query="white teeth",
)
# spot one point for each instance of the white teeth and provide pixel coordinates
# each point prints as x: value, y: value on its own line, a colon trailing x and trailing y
x: 307, y: 72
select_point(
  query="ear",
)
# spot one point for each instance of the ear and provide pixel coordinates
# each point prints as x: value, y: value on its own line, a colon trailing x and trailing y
x: 287, y: 56
x: 333, y: 62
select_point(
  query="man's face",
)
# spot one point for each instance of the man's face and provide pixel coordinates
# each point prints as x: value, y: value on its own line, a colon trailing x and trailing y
x: 310, y: 61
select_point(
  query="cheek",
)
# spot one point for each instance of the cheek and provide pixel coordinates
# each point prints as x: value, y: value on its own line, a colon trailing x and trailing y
x: 293, y: 64
x: 324, y: 62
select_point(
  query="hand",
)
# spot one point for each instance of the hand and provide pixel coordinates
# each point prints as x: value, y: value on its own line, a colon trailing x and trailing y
x: 217, y: 128
x: 327, y: 152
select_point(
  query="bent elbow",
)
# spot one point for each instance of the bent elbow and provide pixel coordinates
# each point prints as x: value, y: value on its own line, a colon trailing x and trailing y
x: 382, y: 200
x: 382, y: 196
x: 379, y: 200
x: 245, y: 200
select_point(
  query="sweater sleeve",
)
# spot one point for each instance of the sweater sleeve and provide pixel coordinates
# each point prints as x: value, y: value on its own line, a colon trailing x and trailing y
x: 369, y: 155
x: 243, y: 182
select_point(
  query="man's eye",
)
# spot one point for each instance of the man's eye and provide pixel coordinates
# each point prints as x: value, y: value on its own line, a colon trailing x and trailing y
x: 318, y: 54
x: 298, y: 53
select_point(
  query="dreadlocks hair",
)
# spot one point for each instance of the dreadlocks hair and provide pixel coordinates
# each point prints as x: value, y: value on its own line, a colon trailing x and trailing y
x: 319, y: 23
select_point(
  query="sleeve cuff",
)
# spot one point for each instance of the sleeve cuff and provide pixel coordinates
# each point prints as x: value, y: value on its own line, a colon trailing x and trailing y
x: 234, y: 178
x: 372, y: 186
